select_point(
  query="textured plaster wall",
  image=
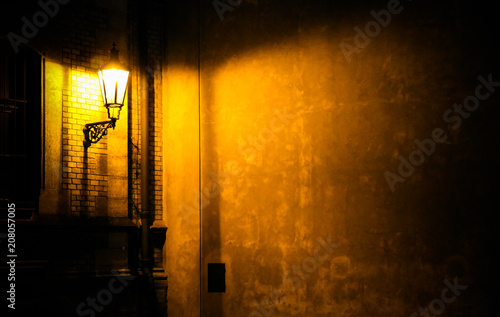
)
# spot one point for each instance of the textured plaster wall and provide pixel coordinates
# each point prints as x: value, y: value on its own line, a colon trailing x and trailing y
x: 181, y: 148
x: 295, y: 141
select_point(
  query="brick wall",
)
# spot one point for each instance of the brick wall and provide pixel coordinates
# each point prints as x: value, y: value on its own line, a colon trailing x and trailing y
x: 84, y: 170
x: 83, y: 176
x: 153, y: 71
x: 134, y: 122
x: 156, y: 114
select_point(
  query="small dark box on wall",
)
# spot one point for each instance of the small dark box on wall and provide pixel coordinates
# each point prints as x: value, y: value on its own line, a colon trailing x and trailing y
x: 216, y: 277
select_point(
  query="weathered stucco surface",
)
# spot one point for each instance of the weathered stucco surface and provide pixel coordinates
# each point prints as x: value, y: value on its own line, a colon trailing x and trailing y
x: 295, y: 141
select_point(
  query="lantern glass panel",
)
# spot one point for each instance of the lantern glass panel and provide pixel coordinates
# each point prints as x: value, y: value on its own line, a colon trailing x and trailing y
x: 113, y: 85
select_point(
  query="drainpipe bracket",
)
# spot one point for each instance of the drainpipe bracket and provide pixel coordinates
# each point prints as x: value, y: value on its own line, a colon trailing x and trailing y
x: 145, y: 213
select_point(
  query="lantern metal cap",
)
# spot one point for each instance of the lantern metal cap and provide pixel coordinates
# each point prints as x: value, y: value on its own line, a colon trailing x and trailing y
x: 114, y: 60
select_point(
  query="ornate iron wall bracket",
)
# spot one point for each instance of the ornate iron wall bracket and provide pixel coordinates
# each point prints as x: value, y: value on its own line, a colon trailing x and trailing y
x: 95, y: 131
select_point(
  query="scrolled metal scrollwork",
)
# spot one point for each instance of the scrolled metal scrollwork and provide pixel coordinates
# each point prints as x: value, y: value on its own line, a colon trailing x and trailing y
x: 93, y: 132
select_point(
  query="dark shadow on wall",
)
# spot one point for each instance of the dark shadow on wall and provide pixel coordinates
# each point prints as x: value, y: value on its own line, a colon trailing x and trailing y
x: 211, y: 187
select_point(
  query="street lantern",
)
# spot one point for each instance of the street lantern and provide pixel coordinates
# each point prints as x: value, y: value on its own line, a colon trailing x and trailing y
x: 113, y: 79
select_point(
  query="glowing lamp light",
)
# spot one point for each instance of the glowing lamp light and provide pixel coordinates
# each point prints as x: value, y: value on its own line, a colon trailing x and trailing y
x: 113, y: 78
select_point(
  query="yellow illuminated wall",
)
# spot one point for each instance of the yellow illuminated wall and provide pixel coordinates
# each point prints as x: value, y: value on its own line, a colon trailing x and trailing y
x: 291, y: 140
x: 92, y: 182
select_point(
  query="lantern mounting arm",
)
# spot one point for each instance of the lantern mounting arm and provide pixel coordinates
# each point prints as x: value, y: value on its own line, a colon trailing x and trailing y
x: 95, y: 131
